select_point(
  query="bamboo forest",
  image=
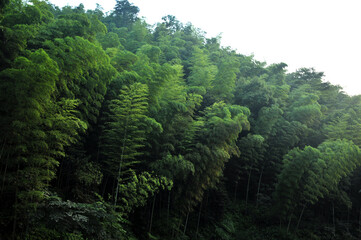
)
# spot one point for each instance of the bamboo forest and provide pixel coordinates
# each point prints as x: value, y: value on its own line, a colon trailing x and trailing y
x: 111, y: 128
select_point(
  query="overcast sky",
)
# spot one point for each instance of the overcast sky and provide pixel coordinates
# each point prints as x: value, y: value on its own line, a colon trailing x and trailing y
x: 323, y: 34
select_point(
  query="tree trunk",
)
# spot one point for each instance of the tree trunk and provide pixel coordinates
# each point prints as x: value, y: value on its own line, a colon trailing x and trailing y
x: 4, y: 178
x: 60, y: 173
x: 168, y: 205
x: 235, y: 191
x: 199, y: 219
x: 289, y: 223
x: 348, y: 221
x: 248, y: 183
x: 186, y: 223
x: 259, y: 187
x: 151, y: 215
x: 160, y: 207
x: 299, y: 219
x: 6, y: 165
x: 2, y: 149
x: 16, y: 203
x: 205, y: 207
x: 105, y: 185
x: 15, y: 213
x: 333, y: 219
x: 359, y: 222
x: 113, y: 188
x: 121, y: 160
x: 173, y: 232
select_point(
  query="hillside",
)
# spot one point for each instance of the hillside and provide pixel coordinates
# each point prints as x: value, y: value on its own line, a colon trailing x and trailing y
x: 115, y: 129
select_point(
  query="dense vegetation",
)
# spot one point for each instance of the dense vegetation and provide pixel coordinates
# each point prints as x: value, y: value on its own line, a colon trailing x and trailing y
x: 114, y: 129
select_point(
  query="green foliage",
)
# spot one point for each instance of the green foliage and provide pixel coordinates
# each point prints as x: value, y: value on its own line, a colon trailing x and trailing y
x: 251, y: 154
x: 85, y: 73
x: 139, y: 189
x: 305, y: 107
x: 122, y: 133
x: 213, y: 144
x: 70, y: 220
x: 345, y: 125
x: 125, y: 13
x: 37, y: 127
x: 174, y: 167
x: 311, y: 174
x: 202, y: 71
x: 100, y: 105
x: 89, y: 174
x: 152, y: 52
x: 266, y: 120
x: 109, y: 40
x: 254, y: 93
x: 225, y: 80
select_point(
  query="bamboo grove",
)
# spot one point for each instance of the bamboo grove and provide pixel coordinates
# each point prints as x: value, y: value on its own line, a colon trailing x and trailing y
x: 114, y: 129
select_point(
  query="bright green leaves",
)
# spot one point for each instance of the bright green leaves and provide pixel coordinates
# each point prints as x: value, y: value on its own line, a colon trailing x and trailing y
x: 149, y: 51
x: 114, y: 106
x: 311, y: 174
x: 342, y: 158
x: 17, y: 27
x: 37, y: 127
x: 213, y: 144
x: 30, y: 78
x: 74, y: 24
x: 173, y: 167
x: 266, y: 120
x: 85, y: 73
x: 139, y: 189
x: 254, y: 93
x: 222, y: 123
x: 20, y: 13
x: 202, y: 72
x: 109, y: 40
x: 224, y: 82
x: 300, y: 171
x: 305, y: 107
x: 123, y: 132
x: 26, y: 91
x: 345, y: 123
x: 121, y: 60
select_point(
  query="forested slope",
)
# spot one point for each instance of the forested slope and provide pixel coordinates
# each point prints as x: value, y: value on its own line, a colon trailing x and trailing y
x: 114, y: 129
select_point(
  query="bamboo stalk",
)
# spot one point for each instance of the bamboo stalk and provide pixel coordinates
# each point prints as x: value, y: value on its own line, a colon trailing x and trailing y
x: 151, y: 215
x: 299, y: 219
x: 259, y: 187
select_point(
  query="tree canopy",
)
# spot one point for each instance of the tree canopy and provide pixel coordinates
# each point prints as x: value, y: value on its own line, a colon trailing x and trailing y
x: 114, y: 129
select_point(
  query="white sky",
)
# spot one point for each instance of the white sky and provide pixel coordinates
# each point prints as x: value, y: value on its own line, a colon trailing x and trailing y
x: 324, y: 34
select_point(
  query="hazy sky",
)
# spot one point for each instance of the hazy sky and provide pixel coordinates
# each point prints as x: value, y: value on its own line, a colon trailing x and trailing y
x: 324, y: 34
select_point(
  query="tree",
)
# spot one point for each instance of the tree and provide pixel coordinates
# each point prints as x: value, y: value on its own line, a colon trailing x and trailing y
x: 224, y: 82
x: 202, y: 72
x: 85, y: 73
x: 311, y: 174
x: 213, y: 144
x: 123, y: 134
x: 36, y: 129
x: 254, y: 93
x: 125, y: 13
x: 251, y: 155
